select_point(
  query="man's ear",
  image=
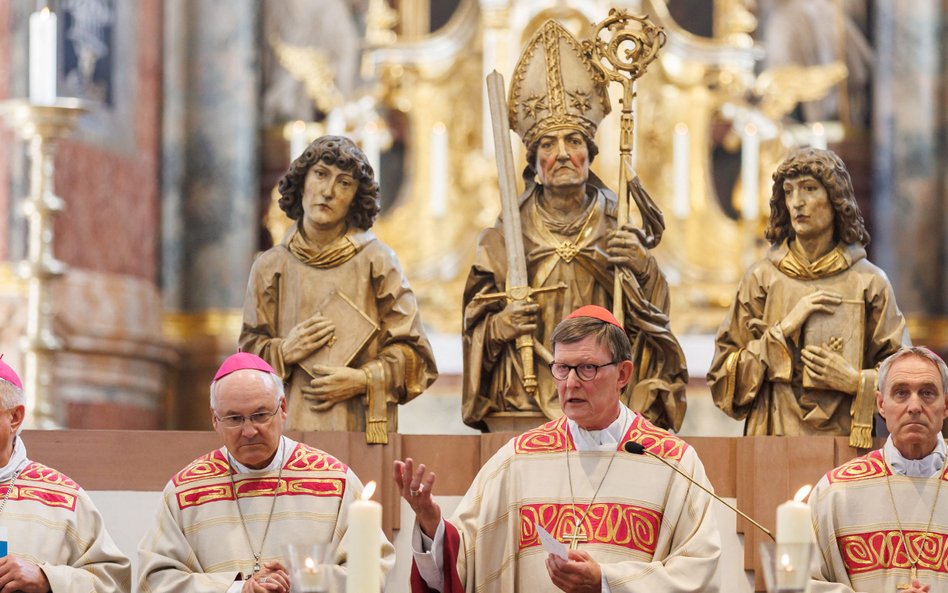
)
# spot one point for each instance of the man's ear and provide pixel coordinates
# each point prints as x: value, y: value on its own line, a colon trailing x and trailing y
x: 625, y: 373
x: 18, y: 414
x: 879, y: 400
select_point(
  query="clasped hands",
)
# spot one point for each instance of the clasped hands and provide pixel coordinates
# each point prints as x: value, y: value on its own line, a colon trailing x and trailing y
x: 272, y: 578
x: 579, y: 574
x: 331, y: 385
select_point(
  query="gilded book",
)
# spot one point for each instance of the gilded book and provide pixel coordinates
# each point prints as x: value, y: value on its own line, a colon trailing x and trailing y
x: 354, y: 329
x: 839, y: 331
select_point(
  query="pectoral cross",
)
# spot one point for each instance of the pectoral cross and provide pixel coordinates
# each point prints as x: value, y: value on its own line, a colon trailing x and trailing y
x: 578, y: 535
x: 913, y: 576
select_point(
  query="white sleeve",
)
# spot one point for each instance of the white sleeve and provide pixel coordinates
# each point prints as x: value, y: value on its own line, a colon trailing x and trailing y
x: 427, y: 554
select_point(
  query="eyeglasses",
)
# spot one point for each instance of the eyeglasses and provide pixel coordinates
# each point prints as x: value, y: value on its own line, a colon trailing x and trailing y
x: 257, y: 419
x: 586, y: 371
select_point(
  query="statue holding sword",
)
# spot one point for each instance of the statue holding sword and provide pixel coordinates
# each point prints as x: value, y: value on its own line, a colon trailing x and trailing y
x: 560, y: 244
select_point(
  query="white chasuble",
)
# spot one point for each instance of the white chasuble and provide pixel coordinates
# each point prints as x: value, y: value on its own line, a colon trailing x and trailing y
x: 198, y: 545
x: 859, y: 537
x: 52, y: 522
x: 648, y: 528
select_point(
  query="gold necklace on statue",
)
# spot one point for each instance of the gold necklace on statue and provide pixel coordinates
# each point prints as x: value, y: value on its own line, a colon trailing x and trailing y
x: 569, y: 248
x: 579, y: 532
x: 913, y: 574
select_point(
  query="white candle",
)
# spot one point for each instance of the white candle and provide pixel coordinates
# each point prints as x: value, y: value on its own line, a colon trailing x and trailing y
x: 364, y: 573
x: 793, y: 520
x: 438, y: 172
x: 297, y: 139
x: 43, y: 48
x: 818, y: 139
x: 310, y: 578
x: 681, y: 145
x: 750, y: 164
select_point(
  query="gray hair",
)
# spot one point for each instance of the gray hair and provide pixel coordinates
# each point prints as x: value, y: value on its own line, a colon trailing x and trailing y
x: 11, y: 396
x: 276, y: 384
x: 920, y: 351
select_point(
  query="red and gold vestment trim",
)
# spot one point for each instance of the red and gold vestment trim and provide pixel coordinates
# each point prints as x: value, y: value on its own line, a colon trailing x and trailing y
x: 37, y: 472
x: 554, y: 437
x: 628, y: 526
x: 209, y: 466
x: 306, y: 458
x: 884, y: 550
x: 328, y: 487
x: 45, y: 496
x: 869, y: 466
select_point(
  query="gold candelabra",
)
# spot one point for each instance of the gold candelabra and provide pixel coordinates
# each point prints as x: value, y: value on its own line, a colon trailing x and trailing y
x: 43, y: 126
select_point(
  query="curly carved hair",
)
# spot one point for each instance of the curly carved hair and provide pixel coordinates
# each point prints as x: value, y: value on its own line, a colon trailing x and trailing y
x: 343, y: 153
x: 827, y: 168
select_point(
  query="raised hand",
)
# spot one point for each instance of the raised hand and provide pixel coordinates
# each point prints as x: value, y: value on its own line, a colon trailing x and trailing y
x: 415, y: 486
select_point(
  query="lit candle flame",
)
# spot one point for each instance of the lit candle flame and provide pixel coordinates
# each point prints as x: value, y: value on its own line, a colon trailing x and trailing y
x: 368, y: 491
x: 310, y: 565
x: 802, y: 493
x: 785, y: 563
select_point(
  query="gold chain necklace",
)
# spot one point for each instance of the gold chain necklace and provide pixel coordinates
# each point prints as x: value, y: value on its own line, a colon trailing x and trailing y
x: 266, y: 530
x: 569, y: 248
x: 913, y: 574
x: 579, y: 533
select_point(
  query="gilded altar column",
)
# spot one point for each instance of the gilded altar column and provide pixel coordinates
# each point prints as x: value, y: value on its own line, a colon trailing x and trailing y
x: 209, y: 186
x: 910, y: 153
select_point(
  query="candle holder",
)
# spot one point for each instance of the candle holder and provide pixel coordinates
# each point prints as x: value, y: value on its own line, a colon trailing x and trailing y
x: 786, y: 566
x: 43, y: 126
x: 309, y: 572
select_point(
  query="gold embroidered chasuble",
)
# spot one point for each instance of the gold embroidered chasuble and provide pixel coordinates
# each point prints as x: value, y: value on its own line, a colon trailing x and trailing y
x: 757, y: 372
x: 51, y: 521
x: 860, y: 547
x: 492, y: 368
x: 197, y: 543
x: 649, y: 529
x: 290, y: 280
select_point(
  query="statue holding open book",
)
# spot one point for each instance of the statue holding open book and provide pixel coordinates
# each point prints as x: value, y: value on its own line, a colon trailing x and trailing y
x: 797, y: 352
x: 330, y: 308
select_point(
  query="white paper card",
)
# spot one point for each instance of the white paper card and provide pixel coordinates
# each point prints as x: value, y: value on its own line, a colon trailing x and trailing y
x: 551, y: 544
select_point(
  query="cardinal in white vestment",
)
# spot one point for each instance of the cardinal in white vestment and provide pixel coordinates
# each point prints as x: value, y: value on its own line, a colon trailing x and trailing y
x: 632, y: 524
x: 881, y: 520
x: 56, y: 540
x: 225, y: 518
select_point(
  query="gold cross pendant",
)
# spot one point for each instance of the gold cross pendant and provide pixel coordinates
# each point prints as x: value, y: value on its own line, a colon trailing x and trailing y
x: 913, y: 576
x: 578, y: 535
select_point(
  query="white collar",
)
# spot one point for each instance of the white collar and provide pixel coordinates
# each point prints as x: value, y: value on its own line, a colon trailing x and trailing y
x: 17, y: 461
x: 286, y: 444
x: 926, y: 467
x: 606, y: 439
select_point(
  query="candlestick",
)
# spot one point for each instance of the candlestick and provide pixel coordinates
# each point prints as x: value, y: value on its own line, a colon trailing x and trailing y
x: 681, y: 145
x: 43, y: 126
x: 364, y: 574
x: 818, y: 139
x: 438, y: 172
x: 750, y: 159
x: 43, y: 46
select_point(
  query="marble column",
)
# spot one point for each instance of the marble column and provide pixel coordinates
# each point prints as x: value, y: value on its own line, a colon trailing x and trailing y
x: 209, y: 185
x: 910, y: 123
